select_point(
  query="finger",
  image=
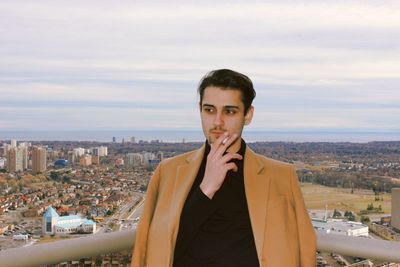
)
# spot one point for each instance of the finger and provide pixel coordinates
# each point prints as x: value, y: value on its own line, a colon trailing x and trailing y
x: 224, y: 146
x: 228, y: 157
x: 231, y: 166
x: 218, y: 142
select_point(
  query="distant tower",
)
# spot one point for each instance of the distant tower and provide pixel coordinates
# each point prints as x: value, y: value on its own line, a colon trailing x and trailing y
x: 114, y: 139
x: 130, y: 160
x: 103, y: 151
x: 183, y: 140
x: 147, y: 156
x: 396, y: 208
x: 13, y: 143
x: 6, y: 147
x: 25, y: 158
x: 39, y: 162
x: 95, y: 160
x: 79, y: 151
x: 95, y: 151
x: 50, y: 218
x: 71, y: 157
x: 133, y: 140
x: 100, y: 151
x: 85, y: 160
x: 2, y: 163
x: 134, y: 160
x: 15, y: 159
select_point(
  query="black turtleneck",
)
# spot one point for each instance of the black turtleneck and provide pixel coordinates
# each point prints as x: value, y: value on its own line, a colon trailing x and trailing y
x: 216, y: 232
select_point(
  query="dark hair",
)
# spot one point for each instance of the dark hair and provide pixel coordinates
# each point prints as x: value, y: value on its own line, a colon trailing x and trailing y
x: 231, y: 80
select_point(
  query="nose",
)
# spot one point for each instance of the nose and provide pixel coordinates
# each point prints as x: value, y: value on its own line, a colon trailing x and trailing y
x: 218, y: 120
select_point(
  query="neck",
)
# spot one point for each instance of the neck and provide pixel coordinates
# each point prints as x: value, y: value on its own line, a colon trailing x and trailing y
x: 235, y: 146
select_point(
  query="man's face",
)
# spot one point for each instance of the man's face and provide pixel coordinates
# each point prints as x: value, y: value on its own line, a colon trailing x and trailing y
x: 222, y: 110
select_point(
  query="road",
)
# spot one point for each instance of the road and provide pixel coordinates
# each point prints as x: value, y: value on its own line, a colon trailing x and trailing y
x: 125, y: 217
x: 133, y: 218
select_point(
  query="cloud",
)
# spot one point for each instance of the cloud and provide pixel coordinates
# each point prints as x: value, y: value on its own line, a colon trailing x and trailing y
x: 310, y: 61
x: 88, y: 118
x: 327, y: 118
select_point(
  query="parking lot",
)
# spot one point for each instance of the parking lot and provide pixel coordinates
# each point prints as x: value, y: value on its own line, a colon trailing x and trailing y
x: 22, y: 225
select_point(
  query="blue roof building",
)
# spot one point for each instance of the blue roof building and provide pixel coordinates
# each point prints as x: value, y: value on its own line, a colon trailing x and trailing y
x: 61, y: 163
x: 50, y: 212
x: 56, y: 224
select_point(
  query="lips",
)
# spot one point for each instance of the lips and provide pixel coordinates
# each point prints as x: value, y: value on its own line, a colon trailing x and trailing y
x: 218, y: 133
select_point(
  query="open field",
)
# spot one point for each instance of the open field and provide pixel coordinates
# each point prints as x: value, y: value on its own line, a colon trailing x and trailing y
x: 317, y: 196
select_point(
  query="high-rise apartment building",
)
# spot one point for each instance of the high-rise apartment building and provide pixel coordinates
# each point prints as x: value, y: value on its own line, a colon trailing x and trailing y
x: 134, y: 160
x: 147, y: 156
x: 24, y: 146
x: 13, y: 143
x: 79, y: 151
x: 85, y: 160
x: 27, y: 144
x: 95, y: 160
x: 100, y: 151
x: 4, y: 150
x: 71, y: 157
x: 103, y: 151
x: 396, y: 208
x: 15, y: 160
x: 25, y: 158
x: 39, y: 162
x: 2, y: 163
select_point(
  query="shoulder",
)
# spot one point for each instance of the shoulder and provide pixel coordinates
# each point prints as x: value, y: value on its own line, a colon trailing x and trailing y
x: 282, y: 175
x: 274, y: 163
x: 270, y: 163
x: 180, y: 159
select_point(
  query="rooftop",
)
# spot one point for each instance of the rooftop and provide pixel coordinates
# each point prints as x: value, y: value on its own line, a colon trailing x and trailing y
x: 337, y: 225
x: 50, y: 213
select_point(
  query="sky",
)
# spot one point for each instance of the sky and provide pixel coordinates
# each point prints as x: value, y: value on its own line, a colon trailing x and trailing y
x: 101, y: 65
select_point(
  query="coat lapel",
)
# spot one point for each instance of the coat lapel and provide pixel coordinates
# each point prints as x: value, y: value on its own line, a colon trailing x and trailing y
x: 185, y: 176
x: 257, y: 190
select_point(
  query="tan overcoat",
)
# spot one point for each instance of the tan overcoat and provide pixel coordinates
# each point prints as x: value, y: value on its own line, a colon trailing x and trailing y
x: 281, y: 226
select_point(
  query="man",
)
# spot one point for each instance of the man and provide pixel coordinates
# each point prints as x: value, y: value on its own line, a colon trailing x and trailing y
x: 224, y: 205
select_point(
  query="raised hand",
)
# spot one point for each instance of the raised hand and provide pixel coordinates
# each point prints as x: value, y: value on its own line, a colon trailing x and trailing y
x: 217, y: 164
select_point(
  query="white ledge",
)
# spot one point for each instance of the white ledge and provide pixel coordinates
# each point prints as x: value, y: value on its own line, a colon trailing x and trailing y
x: 65, y: 250
x: 361, y: 247
x: 93, y: 245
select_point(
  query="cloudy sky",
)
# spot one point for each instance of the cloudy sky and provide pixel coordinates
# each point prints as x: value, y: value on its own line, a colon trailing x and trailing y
x: 316, y: 65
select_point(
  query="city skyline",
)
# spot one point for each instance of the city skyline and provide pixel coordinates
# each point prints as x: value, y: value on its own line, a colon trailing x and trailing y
x: 99, y: 65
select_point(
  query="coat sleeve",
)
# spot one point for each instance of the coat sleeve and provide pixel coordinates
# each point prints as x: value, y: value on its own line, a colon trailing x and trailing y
x: 140, y: 245
x: 306, y: 232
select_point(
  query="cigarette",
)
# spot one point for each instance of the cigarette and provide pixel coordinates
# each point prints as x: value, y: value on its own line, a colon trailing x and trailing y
x: 225, y: 140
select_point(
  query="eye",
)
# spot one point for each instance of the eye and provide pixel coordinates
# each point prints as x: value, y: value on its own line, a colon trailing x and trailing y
x: 208, y: 109
x: 230, y: 111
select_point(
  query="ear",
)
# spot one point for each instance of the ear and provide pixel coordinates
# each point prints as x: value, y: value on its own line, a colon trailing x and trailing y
x: 249, y: 116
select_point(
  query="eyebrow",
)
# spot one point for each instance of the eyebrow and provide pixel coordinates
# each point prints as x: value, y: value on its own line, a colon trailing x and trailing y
x: 225, y: 107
